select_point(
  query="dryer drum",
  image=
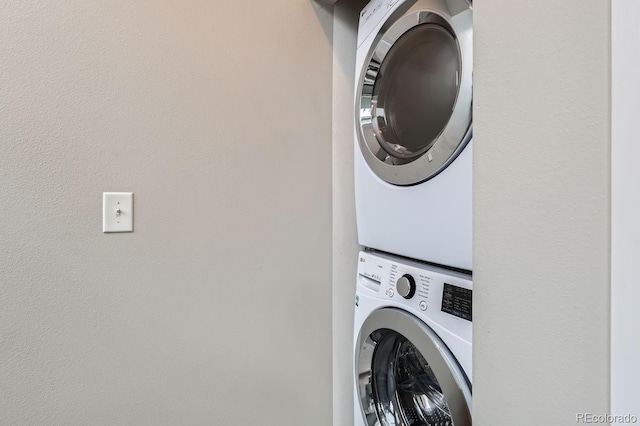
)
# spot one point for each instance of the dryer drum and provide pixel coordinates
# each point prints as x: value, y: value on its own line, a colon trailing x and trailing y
x: 413, y: 96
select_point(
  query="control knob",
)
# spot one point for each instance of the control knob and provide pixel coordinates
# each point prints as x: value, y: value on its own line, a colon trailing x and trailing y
x: 406, y: 286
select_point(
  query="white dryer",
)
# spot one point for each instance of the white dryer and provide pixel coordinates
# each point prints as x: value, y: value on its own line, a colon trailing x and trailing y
x: 412, y: 344
x: 413, y: 159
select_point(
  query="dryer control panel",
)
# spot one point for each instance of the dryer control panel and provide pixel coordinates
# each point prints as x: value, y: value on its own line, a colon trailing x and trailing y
x: 439, y: 294
x: 371, y: 15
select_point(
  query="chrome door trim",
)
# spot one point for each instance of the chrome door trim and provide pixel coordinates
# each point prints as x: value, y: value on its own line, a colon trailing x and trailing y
x: 452, y: 380
x: 456, y: 17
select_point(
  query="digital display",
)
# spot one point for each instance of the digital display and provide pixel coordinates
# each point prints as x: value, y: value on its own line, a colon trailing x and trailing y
x: 456, y: 301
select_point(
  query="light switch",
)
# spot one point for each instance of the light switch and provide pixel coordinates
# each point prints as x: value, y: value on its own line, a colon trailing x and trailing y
x: 117, y: 212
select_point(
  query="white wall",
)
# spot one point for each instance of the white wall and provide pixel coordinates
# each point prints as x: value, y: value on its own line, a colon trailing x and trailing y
x: 541, y: 211
x: 625, y: 208
x: 345, y: 241
x: 216, y: 115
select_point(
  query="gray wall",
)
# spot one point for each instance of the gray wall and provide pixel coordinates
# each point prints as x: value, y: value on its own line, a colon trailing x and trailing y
x: 215, y: 114
x: 345, y: 241
x: 541, y: 211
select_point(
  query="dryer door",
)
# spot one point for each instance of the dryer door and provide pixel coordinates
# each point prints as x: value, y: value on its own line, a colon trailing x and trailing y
x: 407, y: 376
x: 413, y: 106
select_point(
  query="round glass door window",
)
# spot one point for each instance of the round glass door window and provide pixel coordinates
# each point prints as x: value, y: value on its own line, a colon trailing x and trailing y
x: 415, y: 91
x: 402, y: 388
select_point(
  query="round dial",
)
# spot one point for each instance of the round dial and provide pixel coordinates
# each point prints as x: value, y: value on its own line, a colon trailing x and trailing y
x: 406, y: 286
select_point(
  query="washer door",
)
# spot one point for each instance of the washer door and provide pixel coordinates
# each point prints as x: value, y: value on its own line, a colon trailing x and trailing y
x: 406, y: 376
x: 414, y: 97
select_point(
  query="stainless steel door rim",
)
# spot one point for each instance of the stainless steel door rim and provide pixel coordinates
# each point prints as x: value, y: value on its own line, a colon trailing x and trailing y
x: 436, y: 389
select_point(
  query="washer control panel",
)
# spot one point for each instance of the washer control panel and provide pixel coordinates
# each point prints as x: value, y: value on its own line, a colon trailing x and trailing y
x: 440, y: 294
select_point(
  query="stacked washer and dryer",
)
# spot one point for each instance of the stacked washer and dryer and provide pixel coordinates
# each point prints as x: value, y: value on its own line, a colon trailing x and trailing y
x: 413, y: 165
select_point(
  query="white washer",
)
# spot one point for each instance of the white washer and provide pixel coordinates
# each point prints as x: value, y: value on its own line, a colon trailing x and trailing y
x: 413, y: 158
x: 412, y: 344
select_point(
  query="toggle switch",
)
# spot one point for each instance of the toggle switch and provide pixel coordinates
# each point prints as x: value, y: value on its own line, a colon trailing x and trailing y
x: 117, y: 212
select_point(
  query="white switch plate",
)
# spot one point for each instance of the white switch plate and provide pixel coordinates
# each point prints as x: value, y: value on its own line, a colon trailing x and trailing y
x: 117, y: 212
